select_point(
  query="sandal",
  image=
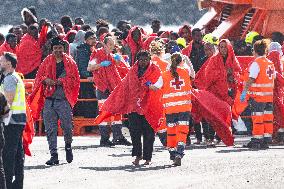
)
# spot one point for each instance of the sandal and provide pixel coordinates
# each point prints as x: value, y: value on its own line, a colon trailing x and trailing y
x: 136, y: 161
x: 147, y: 162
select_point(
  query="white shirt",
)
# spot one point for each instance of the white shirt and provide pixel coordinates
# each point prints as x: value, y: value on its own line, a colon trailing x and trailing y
x: 254, y: 70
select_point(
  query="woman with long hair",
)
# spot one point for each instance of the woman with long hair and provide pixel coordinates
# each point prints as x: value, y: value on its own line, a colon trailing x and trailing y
x: 177, y: 107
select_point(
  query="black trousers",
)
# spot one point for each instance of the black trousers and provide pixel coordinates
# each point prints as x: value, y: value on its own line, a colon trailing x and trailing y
x: 247, y: 120
x: 139, y: 126
x: 197, y: 130
x: 2, y: 143
x: 13, y: 156
x: 86, y: 109
x: 208, y: 131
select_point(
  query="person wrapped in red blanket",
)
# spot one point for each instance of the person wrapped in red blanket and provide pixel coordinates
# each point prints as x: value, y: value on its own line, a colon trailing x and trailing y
x: 55, y: 92
x: 135, y: 42
x: 274, y: 54
x: 138, y: 96
x: 10, y: 44
x: 29, y: 53
x: 105, y: 67
x: 221, y: 76
x: 223, y: 72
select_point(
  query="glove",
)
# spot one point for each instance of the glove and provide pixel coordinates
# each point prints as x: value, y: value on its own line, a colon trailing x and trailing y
x: 148, y: 83
x: 105, y: 63
x: 243, y: 96
x: 175, y: 49
x: 117, y: 57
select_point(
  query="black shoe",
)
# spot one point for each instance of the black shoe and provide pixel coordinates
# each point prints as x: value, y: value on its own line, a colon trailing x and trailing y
x: 264, y: 143
x: 122, y: 141
x: 177, y: 161
x: 267, y: 140
x: 254, y: 144
x: 106, y: 143
x: 53, y: 160
x: 69, y: 153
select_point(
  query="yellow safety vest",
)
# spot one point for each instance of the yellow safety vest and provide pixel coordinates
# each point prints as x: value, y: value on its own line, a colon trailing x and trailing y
x: 19, y: 103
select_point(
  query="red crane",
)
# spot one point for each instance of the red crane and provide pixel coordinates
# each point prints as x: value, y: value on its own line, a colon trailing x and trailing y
x: 233, y: 19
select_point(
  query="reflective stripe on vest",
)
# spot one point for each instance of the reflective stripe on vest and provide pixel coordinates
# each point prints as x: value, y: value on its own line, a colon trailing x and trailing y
x: 262, y: 85
x: 257, y: 113
x: 176, y: 94
x: 261, y: 93
x: 262, y: 89
x: 182, y: 123
x: 178, y: 103
x: 268, y: 112
x: 19, y: 103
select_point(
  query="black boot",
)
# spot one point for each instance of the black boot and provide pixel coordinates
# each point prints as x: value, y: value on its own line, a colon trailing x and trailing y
x: 268, y: 140
x: 177, y: 161
x: 264, y: 143
x: 254, y: 144
x: 69, y: 153
x: 53, y: 160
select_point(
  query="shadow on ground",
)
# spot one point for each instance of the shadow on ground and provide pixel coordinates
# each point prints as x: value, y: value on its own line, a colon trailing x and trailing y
x: 120, y: 155
x: 83, y: 147
x: 128, y: 168
x: 41, y: 166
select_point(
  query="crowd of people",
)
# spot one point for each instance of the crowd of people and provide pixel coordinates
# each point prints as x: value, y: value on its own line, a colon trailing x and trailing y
x: 155, y: 80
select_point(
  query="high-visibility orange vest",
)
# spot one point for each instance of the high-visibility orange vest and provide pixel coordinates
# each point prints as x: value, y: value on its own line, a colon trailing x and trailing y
x: 162, y: 64
x: 262, y: 89
x: 177, y: 92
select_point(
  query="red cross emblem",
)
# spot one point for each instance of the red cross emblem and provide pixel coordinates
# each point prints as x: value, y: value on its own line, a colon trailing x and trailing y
x: 269, y: 72
x: 177, y: 83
